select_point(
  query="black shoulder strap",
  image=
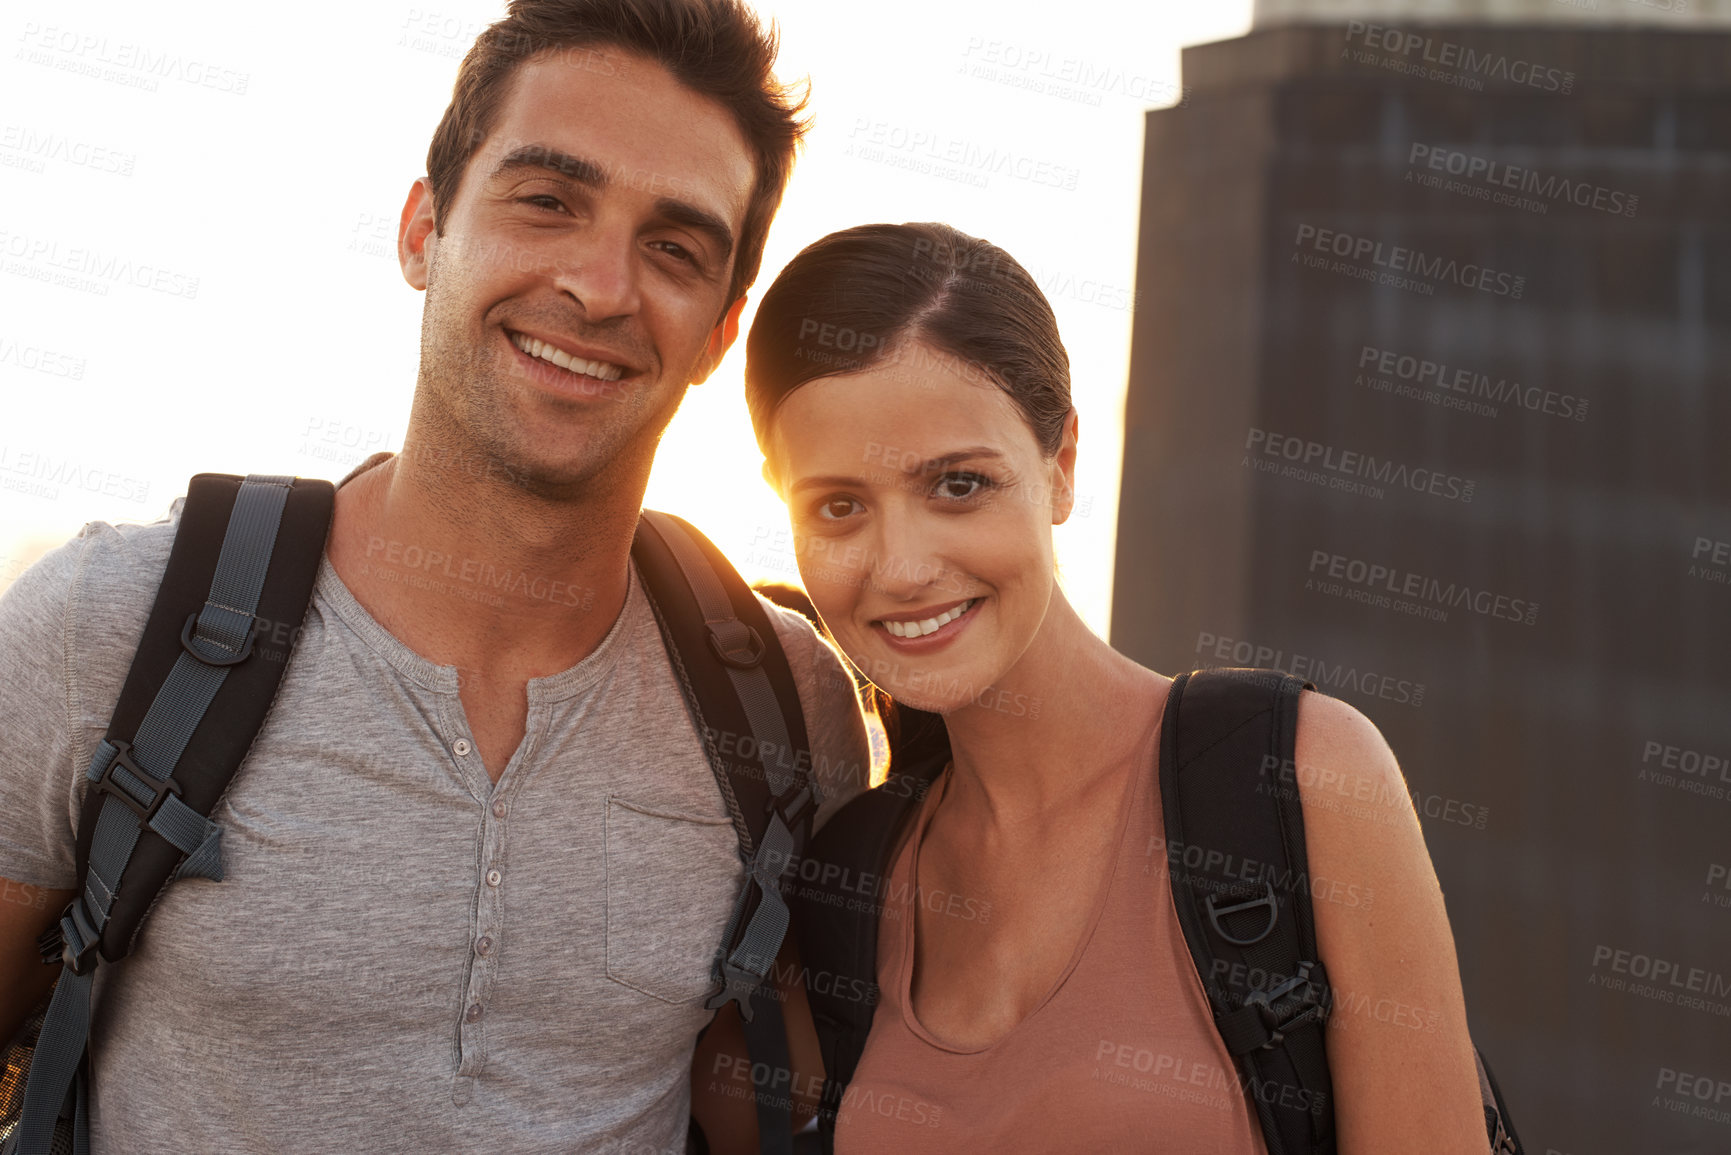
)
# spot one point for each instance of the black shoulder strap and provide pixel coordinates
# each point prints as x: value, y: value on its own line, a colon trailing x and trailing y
x: 1235, y: 852
x: 745, y: 706
x: 836, y: 902
x: 213, y: 653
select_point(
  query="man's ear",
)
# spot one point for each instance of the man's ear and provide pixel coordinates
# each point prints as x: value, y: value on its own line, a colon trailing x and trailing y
x: 721, y: 339
x: 1064, y: 470
x: 413, y: 229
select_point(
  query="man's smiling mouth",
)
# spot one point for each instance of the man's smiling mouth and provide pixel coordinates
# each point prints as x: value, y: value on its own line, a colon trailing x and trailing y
x: 542, y: 351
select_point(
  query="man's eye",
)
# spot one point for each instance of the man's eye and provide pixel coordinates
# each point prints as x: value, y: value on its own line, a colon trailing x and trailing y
x: 961, y: 486
x: 677, y: 251
x: 542, y: 201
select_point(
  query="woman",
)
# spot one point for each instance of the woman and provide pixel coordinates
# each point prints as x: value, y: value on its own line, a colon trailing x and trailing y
x: 911, y: 396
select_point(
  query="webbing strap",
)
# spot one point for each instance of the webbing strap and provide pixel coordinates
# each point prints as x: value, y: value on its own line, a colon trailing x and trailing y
x: 766, y: 1042
x: 55, y: 1064
x: 733, y: 642
x: 142, y: 774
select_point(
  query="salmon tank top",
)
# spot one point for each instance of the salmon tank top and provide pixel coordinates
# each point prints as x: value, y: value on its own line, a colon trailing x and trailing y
x: 1120, y: 1055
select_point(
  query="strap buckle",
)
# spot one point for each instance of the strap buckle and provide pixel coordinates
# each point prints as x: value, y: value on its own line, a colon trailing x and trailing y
x: 741, y: 650
x: 70, y: 941
x: 160, y: 788
x: 1216, y: 912
x: 737, y: 985
x: 1297, y: 1002
x: 201, y: 646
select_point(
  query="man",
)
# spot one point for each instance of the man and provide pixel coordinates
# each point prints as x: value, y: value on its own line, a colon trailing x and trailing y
x: 477, y: 864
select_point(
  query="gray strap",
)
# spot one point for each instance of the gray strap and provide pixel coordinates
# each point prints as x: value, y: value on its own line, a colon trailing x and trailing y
x: 222, y: 634
x: 181, y: 703
x: 732, y: 636
x: 55, y: 1063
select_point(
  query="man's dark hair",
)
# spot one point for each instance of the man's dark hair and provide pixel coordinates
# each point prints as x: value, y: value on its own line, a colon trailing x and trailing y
x: 715, y: 48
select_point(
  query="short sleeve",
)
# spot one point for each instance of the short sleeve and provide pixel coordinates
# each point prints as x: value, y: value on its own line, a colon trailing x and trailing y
x: 36, y: 730
x: 840, y: 751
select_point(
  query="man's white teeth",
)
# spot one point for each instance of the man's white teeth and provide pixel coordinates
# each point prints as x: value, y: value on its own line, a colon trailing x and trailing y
x: 921, y: 628
x: 546, y: 352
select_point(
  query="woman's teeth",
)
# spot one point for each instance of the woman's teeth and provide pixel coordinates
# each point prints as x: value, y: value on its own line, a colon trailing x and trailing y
x: 545, y: 352
x: 921, y: 628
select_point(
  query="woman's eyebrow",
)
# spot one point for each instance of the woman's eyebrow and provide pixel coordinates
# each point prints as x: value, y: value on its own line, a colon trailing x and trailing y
x: 894, y: 457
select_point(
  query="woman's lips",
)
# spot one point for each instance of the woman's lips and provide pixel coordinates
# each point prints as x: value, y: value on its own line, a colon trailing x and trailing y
x: 936, y: 639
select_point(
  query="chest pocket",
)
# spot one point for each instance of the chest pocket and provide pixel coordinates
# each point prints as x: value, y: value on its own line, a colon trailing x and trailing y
x: 672, y: 879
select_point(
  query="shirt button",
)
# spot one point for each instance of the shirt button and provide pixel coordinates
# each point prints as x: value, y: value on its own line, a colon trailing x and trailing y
x: 499, y: 809
x: 484, y: 946
x: 473, y: 1014
x: 460, y: 747
x: 494, y: 878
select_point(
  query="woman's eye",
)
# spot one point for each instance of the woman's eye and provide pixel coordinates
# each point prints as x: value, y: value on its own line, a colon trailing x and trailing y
x: 961, y: 486
x: 836, y: 508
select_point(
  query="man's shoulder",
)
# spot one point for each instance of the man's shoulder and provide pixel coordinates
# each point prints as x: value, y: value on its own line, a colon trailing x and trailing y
x: 104, y: 577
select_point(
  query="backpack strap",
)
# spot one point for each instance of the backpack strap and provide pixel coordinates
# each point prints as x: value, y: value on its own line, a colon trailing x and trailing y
x: 737, y: 683
x: 194, y: 699
x: 1236, y: 855
x: 837, y: 911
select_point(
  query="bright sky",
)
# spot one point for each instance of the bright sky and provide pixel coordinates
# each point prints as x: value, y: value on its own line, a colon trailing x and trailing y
x: 198, y: 205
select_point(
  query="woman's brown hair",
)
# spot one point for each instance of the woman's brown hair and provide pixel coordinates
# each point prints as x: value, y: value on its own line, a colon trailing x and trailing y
x: 874, y: 293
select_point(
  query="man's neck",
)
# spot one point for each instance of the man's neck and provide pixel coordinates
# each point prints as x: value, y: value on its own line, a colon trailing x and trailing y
x: 470, y: 569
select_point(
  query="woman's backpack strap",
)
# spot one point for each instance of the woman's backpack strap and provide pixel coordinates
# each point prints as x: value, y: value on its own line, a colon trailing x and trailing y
x: 837, y: 902
x: 1235, y: 852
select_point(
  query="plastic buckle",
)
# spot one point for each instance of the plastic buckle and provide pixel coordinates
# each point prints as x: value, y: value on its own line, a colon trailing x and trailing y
x: 55, y: 943
x: 796, y: 805
x: 731, y: 653
x: 161, y: 789
x: 736, y: 985
x: 195, y: 646
x: 1311, y: 1006
x: 1217, y: 912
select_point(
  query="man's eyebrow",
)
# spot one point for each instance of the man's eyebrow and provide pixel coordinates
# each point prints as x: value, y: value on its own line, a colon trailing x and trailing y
x: 541, y: 156
x: 924, y: 466
x: 592, y: 175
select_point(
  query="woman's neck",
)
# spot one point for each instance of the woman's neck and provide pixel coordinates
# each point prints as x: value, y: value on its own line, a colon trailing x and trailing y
x: 1071, y: 710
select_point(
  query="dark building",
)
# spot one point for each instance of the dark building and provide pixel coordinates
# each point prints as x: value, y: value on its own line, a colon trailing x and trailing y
x: 1430, y: 402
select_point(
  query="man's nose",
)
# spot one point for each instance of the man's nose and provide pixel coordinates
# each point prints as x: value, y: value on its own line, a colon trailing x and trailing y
x: 598, y: 268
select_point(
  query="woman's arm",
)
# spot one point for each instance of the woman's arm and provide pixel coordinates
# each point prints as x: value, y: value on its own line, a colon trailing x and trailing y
x: 1399, y: 1054
x: 722, y: 1073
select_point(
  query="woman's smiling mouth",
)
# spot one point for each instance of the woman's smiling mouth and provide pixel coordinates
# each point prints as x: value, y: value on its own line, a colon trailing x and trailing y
x: 909, y: 627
